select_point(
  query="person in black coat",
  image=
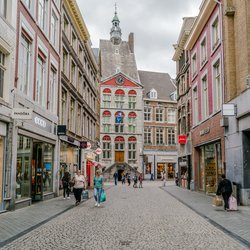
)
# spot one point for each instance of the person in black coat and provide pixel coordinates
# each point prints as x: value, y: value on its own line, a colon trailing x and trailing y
x: 225, y: 189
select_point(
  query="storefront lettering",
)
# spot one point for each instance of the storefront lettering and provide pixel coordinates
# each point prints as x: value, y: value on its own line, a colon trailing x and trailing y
x: 204, y: 131
x: 40, y: 122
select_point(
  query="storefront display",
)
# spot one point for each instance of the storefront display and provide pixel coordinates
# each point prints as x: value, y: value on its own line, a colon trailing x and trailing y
x: 34, y: 173
x: 1, y: 165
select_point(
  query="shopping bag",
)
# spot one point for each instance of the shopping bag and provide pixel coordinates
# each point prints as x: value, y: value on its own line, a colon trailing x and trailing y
x: 217, y: 201
x: 103, y: 196
x: 85, y: 194
x: 232, y: 203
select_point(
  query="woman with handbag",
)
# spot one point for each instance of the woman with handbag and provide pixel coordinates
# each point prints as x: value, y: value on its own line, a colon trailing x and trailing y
x: 65, y: 182
x: 79, y: 184
x: 98, y: 187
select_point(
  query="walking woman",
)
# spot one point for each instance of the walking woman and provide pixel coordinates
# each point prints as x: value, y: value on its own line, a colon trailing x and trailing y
x: 79, y: 184
x: 98, y: 184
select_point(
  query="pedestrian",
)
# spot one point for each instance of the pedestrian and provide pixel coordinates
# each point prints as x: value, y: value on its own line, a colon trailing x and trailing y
x: 225, y: 189
x: 98, y: 187
x: 135, y: 181
x: 164, y: 178
x: 123, y: 179
x: 152, y: 177
x: 79, y: 184
x: 65, y: 182
x: 140, y: 180
x: 129, y: 179
x: 115, y: 177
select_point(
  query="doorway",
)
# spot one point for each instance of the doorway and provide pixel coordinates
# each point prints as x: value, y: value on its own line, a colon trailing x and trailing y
x: 246, y: 159
x: 119, y: 156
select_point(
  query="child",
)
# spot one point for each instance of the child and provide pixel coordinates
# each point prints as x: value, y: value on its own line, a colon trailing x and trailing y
x: 140, y: 180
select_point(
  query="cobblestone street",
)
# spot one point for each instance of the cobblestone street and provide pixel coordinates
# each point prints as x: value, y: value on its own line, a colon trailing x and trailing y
x: 147, y: 218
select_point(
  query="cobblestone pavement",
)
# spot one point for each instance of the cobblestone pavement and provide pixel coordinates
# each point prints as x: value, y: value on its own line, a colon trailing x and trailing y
x: 147, y: 219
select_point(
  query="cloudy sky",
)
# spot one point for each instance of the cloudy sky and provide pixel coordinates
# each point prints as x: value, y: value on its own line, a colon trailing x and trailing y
x: 155, y: 23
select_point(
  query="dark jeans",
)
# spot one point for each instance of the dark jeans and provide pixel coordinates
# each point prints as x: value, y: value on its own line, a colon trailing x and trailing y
x: 226, y: 198
x: 78, y: 194
x: 65, y: 191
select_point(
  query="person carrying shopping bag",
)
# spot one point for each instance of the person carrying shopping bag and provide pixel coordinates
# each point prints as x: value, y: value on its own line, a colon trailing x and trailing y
x: 79, y: 184
x: 98, y: 187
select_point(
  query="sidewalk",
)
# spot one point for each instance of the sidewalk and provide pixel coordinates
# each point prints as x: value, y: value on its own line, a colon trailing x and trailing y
x: 16, y: 223
x: 235, y: 223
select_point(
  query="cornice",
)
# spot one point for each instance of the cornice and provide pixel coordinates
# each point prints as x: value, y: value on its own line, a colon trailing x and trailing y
x: 200, y: 22
x: 77, y: 18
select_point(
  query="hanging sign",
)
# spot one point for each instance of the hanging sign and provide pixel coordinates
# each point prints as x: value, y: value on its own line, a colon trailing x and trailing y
x: 98, y: 151
x: 182, y: 139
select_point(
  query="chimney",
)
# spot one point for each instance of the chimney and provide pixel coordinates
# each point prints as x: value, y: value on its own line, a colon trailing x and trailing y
x: 131, y: 42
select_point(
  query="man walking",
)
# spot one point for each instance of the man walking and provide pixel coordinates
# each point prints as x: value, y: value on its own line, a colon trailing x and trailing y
x: 225, y: 189
x: 115, y: 177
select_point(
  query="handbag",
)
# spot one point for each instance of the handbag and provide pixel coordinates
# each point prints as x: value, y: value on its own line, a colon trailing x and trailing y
x: 103, y: 196
x: 232, y: 204
x: 217, y: 201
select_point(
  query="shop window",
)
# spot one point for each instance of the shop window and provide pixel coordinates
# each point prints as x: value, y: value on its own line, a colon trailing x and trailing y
x: 48, y: 168
x: 1, y: 162
x: 23, y: 170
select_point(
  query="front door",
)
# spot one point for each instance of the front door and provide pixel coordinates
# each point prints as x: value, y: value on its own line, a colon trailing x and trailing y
x: 119, y: 156
x: 246, y: 159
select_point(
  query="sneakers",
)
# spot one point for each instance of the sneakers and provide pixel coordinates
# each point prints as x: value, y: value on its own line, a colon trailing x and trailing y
x: 96, y: 204
x: 68, y: 198
x: 64, y: 198
x: 77, y: 203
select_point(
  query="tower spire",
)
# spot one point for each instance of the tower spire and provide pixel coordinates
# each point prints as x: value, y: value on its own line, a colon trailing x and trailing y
x: 115, y: 32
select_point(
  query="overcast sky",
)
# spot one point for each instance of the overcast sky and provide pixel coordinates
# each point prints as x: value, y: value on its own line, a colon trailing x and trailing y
x: 155, y: 23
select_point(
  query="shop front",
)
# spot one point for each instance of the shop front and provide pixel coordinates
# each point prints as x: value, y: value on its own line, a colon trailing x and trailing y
x: 210, y: 166
x: 34, y: 168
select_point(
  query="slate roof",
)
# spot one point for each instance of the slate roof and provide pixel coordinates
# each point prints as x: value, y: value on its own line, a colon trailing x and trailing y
x: 110, y: 60
x: 161, y: 82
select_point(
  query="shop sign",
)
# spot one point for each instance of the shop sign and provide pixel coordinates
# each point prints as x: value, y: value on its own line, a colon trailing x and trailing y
x: 70, y: 139
x: 83, y: 144
x: 98, y: 151
x: 229, y: 109
x: 182, y: 139
x: 40, y: 122
x: 204, y: 131
x: 22, y: 113
x: 61, y: 129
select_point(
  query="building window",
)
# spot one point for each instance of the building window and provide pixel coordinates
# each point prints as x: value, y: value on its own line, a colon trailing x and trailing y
x: 131, y: 151
x: 73, y: 74
x: 131, y: 124
x: 119, y: 126
x: 52, y: 91
x: 72, y: 115
x: 171, y: 136
x: 195, y: 106
x: 215, y: 33
x: 171, y: 116
x: 147, y: 135
x: 24, y: 65
x: 119, y: 101
x: 159, y: 114
x: 147, y: 114
x: 159, y: 136
x: 63, y: 107
x: 78, y: 120
x: 131, y: 102
x: 74, y: 41
x: 153, y: 94
x: 106, y: 100
x: 2, y: 71
x: 194, y: 65
x: 203, y: 51
x: 3, y: 8
x: 217, y: 98
x: 205, y: 107
x: 106, y: 121
x: 106, y: 147
x: 106, y: 128
x: 65, y: 25
x: 41, y: 86
x: 42, y: 13
x: 54, y: 29
x: 65, y: 62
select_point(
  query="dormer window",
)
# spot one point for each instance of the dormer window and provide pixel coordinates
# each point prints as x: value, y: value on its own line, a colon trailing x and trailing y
x: 118, y: 69
x: 153, y: 94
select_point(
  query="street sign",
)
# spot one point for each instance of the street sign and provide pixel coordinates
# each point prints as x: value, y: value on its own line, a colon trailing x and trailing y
x: 98, y: 151
x: 22, y: 113
x: 61, y: 129
x: 228, y: 109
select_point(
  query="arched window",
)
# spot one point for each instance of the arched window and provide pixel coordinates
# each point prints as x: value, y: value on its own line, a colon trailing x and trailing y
x: 132, y: 122
x: 106, y: 147
x: 132, y: 99
x: 119, y: 143
x: 119, y: 119
x: 106, y: 98
x: 106, y: 121
x: 119, y: 98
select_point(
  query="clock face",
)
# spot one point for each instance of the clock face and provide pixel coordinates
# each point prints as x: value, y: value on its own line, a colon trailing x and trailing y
x: 119, y: 80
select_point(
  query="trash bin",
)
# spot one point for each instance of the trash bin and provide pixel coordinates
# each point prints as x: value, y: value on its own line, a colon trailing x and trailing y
x: 236, y: 192
x: 192, y: 185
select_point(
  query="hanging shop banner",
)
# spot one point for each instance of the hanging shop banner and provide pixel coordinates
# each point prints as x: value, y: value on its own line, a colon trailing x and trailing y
x: 98, y: 151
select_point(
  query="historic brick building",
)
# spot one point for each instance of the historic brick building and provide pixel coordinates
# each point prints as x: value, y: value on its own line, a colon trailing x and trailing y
x: 206, y: 59
x: 121, y: 104
x: 159, y: 151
